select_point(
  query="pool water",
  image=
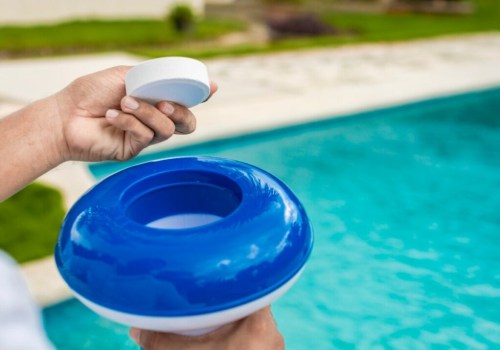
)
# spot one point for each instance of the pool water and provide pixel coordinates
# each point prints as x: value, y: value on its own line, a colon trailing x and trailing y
x: 405, y: 202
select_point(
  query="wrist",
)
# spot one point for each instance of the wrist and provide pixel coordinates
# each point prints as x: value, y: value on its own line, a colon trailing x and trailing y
x: 48, y: 124
x: 61, y: 104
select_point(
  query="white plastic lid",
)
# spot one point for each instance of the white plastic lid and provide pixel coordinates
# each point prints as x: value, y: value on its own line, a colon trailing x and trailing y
x: 177, y: 79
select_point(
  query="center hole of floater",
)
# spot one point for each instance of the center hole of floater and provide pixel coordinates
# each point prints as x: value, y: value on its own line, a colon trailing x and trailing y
x: 182, y: 200
x: 184, y: 221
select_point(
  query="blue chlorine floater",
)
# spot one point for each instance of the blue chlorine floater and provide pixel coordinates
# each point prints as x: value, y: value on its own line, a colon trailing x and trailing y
x: 184, y: 244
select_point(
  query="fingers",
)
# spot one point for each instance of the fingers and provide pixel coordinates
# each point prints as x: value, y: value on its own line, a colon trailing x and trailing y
x: 179, y: 119
x: 183, y: 119
x: 145, y: 124
x: 213, y: 89
x: 165, y: 119
x: 130, y: 124
x: 162, y: 127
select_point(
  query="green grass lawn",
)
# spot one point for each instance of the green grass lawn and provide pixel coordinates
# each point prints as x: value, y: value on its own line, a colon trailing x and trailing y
x: 30, y: 222
x: 92, y: 36
x: 389, y: 27
x: 154, y: 38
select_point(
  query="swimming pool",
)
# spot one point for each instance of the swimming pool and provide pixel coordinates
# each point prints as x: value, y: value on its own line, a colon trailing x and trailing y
x: 405, y: 203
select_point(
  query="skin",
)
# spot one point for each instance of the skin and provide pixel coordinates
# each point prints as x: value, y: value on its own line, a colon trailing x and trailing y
x: 92, y: 120
x: 255, y: 332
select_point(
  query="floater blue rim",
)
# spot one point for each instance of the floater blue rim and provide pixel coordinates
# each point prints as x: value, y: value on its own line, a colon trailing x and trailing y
x: 207, y: 309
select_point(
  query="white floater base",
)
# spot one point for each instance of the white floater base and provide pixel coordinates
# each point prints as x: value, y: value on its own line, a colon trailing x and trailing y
x: 190, y: 325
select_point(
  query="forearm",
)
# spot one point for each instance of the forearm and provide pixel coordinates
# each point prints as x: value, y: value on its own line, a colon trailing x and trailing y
x: 31, y: 143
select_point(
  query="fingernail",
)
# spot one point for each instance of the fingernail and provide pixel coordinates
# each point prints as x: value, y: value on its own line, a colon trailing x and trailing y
x: 167, y: 108
x: 131, y: 103
x: 112, y: 113
x: 134, y: 334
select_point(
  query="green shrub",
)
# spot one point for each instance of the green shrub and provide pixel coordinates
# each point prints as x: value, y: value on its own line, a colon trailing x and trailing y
x: 181, y: 18
x: 30, y: 222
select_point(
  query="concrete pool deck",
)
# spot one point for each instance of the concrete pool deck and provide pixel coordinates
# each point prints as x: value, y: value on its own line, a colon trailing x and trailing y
x: 266, y: 91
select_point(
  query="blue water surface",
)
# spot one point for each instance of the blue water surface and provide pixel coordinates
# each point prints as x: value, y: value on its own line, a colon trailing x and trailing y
x: 405, y: 203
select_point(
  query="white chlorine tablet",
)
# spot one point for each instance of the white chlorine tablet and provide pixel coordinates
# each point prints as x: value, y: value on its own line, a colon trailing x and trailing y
x: 177, y: 79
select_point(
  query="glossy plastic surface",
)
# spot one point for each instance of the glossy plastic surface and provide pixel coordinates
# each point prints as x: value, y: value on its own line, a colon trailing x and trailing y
x: 107, y: 253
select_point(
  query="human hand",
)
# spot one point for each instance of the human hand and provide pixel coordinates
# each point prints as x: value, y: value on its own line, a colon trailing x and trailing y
x: 255, y: 332
x: 98, y: 122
